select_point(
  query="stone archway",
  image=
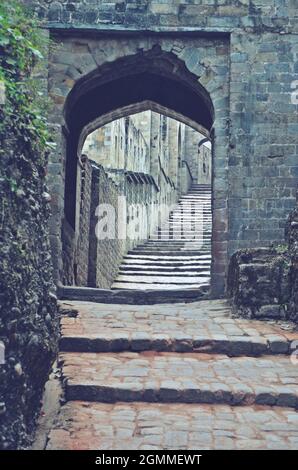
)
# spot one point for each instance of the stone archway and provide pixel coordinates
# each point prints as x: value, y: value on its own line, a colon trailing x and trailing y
x: 107, y: 78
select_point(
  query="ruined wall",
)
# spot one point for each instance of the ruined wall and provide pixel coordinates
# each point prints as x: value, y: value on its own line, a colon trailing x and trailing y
x: 258, y: 283
x: 263, y: 282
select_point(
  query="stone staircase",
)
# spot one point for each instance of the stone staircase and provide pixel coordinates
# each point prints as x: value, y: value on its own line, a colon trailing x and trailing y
x: 178, y: 255
x: 187, y: 376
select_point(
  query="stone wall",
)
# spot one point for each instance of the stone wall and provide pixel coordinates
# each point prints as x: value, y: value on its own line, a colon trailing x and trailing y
x: 82, y: 251
x: 120, y: 144
x: 263, y: 282
x: 292, y: 237
x: 28, y: 321
x: 258, y: 283
x: 256, y: 15
x: 131, y: 206
x: 105, y: 255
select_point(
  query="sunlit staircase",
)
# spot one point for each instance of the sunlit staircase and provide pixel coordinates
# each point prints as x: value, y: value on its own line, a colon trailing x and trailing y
x: 178, y: 255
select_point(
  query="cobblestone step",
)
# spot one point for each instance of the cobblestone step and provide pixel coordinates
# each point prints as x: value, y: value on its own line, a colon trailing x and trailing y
x: 134, y: 296
x: 204, y: 326
x: 181, y: 376
x: 187, y: 378
x: 147, y: 426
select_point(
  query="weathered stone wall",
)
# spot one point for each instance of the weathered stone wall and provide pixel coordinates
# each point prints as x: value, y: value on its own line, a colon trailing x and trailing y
x: 258, y: 283
x: 28, y: 322
x: 132, y: 198
x: 105, y: 255
x: 292, y: 237
x: 256, y: 15
x: 263, y: 283
x: 68, y: 240
x: 120, y: 144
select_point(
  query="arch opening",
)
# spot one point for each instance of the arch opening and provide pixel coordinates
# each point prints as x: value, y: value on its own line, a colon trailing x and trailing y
x: 157, y: 82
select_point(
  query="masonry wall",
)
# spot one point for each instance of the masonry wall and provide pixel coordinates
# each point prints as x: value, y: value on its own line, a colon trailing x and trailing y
x: 120, y: 144
x: 105, y: 254
x: 262, y: 282
x: 82, y: 252
x: 131, y: 210
x: 197, y: 157
x: 205, y: 164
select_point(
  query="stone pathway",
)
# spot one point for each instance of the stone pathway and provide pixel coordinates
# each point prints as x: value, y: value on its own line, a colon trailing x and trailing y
x: 141, y: 426
x: 183, y: 376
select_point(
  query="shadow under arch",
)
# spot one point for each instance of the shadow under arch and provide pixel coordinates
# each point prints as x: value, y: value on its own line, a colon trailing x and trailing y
x: 154, y: 79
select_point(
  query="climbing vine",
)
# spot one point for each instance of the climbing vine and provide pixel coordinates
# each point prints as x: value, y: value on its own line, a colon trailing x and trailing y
x: 22, y: 102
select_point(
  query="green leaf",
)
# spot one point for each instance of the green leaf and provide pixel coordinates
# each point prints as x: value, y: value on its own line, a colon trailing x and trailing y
x: 4, y: 41
x: 36, y: 52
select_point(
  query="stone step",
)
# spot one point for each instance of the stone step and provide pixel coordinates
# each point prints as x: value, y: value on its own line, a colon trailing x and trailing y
x: 187, y: 213
x: 186, y: 378
x: 158, y: 244
x: 174, y: 255
x: 190, y: 215
x: 173, y: 244
x: 163, y: 265
x: 152, y: 427
x: 199, y: 205
x: 148, y: 251
x: 193, y: 234
x: 167, y: 251
x: 176, y: 240
x: 164, y: 272
x: 149, y: 278
x: 205, y: 326
x: 193, y: 197
x: 153, y: 265
x: 125, y: 296
x: 188, y: 224
x: 198, y: 234
x: 121, y: 285
x: 171, y: 257
x: 202, y: 241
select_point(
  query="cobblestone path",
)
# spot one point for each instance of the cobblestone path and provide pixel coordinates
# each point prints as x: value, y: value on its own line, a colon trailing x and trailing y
x: 183, y: 376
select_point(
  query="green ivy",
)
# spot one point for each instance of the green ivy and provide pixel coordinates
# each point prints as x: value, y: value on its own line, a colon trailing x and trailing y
x: 22, y: 50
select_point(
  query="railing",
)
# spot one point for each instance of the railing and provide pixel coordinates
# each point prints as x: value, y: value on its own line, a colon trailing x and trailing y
x: 184, y: 162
